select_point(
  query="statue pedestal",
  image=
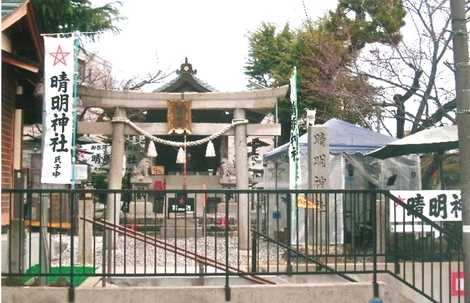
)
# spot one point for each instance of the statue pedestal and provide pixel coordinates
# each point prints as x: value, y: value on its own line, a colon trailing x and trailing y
x: 181, y: 227
x: 138, y: 181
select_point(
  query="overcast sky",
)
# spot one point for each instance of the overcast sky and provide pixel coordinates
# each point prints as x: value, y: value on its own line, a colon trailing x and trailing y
x: 211, y: 33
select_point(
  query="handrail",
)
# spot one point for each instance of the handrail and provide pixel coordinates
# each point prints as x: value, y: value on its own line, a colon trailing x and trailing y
x: 302, y: 255
x: 175, y: 249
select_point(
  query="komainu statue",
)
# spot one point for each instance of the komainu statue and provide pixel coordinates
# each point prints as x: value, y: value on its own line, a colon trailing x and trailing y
x: 226, y: 172
x: 143, y: 168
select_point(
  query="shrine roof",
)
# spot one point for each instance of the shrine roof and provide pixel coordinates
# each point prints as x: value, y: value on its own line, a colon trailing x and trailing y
x: 186, y: 81
x: 9, y: 6
x: 20, y: 27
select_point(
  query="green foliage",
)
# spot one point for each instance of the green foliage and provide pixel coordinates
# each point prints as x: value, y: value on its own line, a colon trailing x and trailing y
x: 270, y: 55
x: 323, y: 53
x: 55, y: 16
x: 321, y: 62
x: 367, y: 21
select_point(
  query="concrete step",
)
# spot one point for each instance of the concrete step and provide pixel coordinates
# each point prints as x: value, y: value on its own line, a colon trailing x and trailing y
x: 200, y: 291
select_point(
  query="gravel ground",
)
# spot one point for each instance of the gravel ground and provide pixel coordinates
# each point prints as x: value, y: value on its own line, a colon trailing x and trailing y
x: 135, y: 255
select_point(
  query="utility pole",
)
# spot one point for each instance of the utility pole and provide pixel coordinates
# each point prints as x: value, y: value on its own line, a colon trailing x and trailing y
x: 462, y: 90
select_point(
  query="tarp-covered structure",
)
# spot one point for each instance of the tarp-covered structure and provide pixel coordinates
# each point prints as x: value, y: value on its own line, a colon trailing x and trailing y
x: 349, y: 168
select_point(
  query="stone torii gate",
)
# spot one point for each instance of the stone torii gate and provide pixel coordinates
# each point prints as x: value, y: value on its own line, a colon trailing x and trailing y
x: 262, y: 100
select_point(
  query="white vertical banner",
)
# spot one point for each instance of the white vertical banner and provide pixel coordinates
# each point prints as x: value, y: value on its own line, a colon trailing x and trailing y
x: 294, y: 153
x: 294, y: 156
x: 58, y: 110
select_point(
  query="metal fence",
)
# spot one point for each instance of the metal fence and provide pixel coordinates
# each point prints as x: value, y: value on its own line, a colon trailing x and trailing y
x: 60, y: 237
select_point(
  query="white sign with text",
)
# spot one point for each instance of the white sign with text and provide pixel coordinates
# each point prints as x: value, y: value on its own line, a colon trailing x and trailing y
x: 436, y: 205
x: 94, y: 154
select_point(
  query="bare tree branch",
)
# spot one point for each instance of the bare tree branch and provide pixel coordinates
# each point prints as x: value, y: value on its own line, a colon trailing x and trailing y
x: 427, y: 55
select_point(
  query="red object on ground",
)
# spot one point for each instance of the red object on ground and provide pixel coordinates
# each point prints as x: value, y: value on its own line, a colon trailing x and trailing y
x: 456, y: 283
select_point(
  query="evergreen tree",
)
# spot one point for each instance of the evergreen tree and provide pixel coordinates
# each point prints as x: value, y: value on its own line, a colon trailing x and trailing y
x: 56, y: 16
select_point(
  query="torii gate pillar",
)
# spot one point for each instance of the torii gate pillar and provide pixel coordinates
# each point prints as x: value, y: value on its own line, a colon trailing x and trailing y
x: 115, y: 172
x: 241, y: 167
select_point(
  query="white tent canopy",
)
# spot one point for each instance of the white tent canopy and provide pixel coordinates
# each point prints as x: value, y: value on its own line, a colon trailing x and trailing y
x: 430, y: 140
x: 349, y: 147
x: 344, y: 138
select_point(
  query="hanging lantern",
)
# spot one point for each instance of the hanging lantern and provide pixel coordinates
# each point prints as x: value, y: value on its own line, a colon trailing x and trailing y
x: 152, y: 150
x: 181, y: 157
x: 210, y: 150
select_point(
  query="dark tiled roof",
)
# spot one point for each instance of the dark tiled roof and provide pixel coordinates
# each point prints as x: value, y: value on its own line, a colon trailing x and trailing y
x: 9, y: 6
x: 186, y: 81
x: 177, y: 79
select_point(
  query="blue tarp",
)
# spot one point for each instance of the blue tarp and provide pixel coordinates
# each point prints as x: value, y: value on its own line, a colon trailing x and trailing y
x: 344, y: 138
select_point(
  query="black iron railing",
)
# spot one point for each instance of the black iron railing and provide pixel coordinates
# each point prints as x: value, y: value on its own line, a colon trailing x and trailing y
x: 61, y: 237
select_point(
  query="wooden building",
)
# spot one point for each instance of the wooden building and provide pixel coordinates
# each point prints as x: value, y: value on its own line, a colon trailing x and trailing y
x: 187, y: 81
x: 22, y: 56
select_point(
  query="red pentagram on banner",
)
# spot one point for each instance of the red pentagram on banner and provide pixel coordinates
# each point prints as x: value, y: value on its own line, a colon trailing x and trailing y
x: 59, y: 56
